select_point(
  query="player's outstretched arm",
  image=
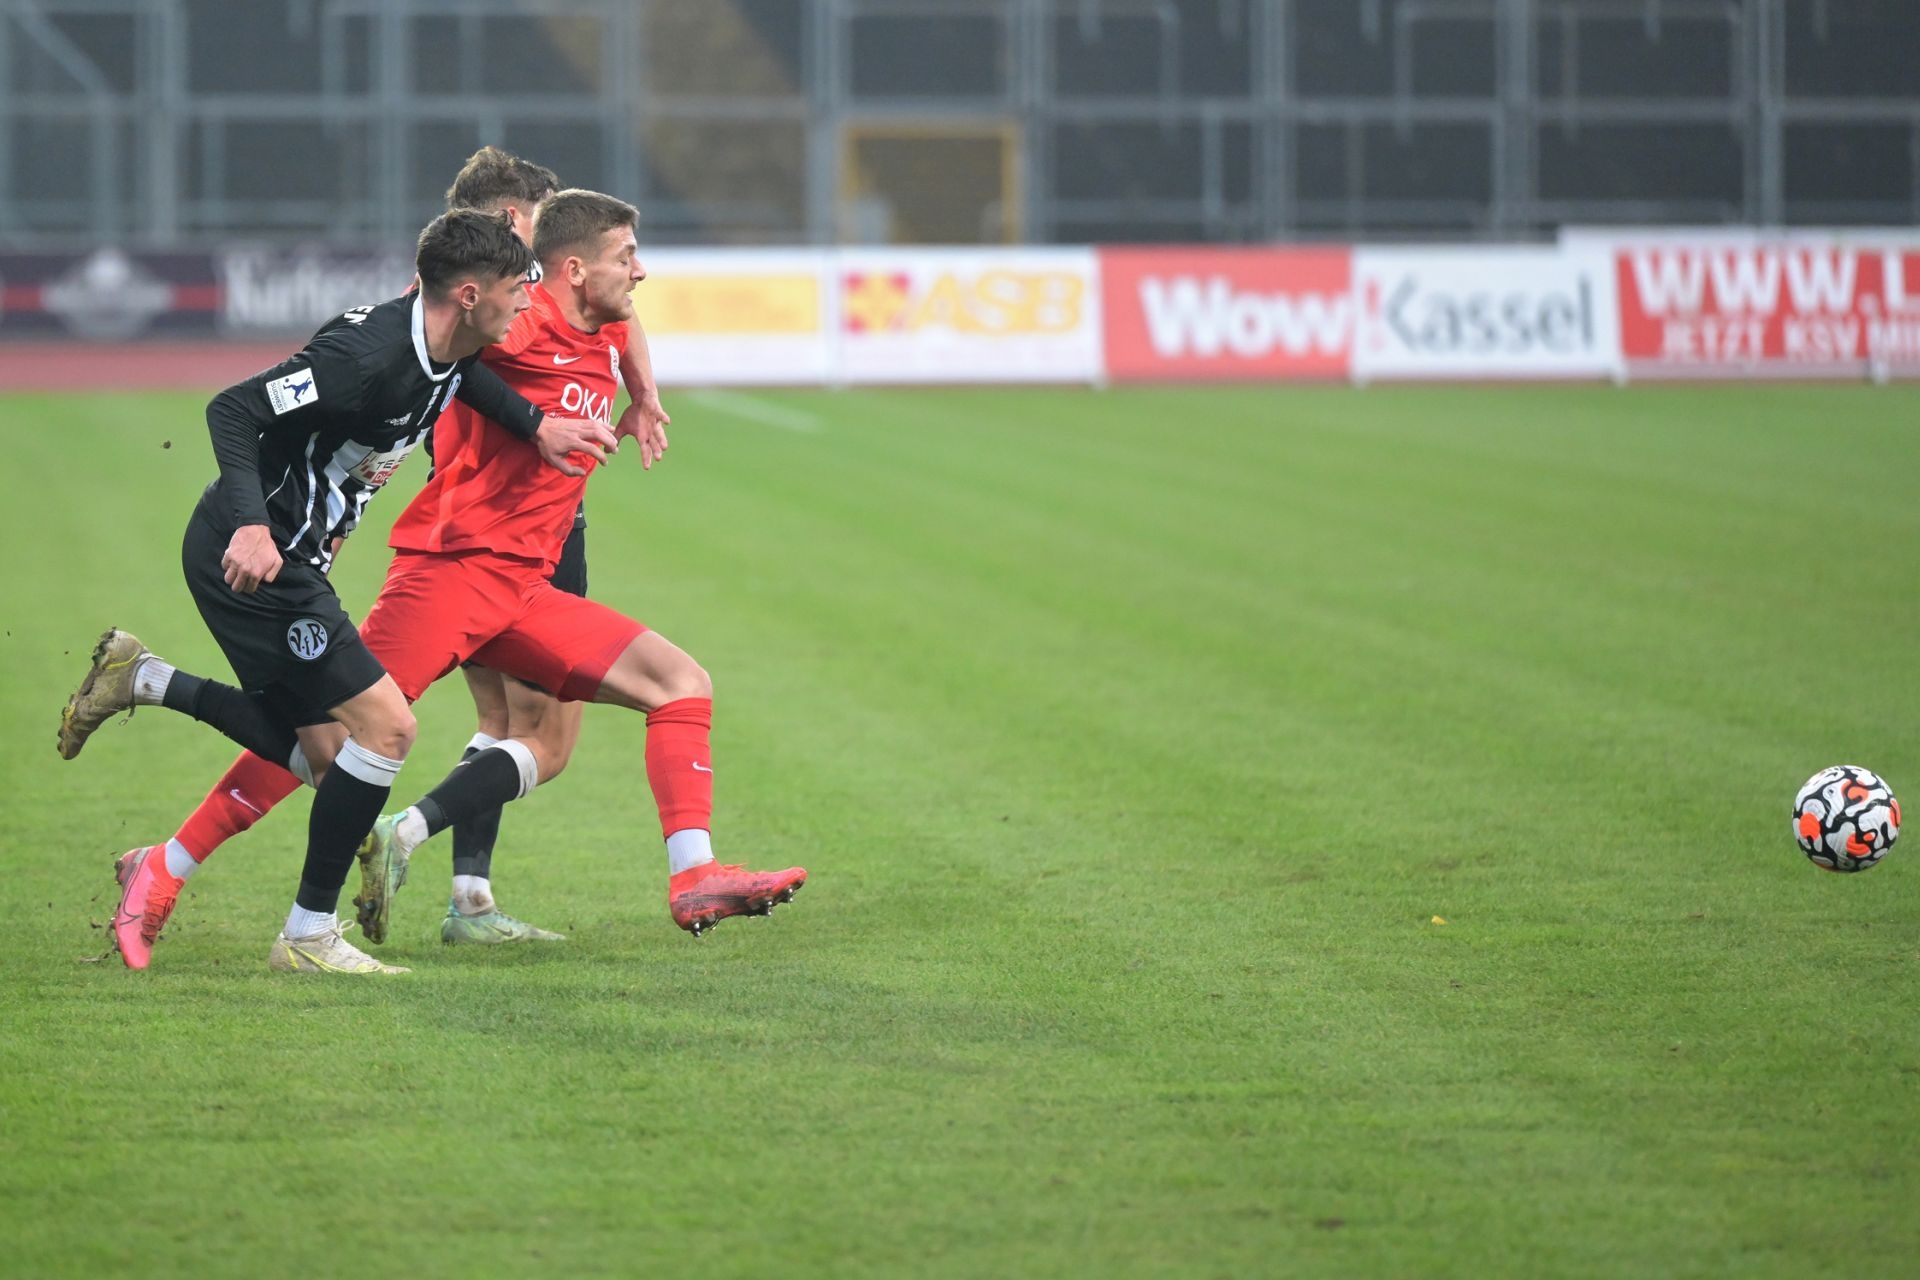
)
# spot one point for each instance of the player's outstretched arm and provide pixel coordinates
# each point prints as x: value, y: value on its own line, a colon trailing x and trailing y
x: 484, y: 391
x: 559, y: 437
x: 645, y: 419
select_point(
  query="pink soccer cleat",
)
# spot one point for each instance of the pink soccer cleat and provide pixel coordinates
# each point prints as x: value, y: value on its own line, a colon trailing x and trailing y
x: 147, y: 896
x: 701, y: 897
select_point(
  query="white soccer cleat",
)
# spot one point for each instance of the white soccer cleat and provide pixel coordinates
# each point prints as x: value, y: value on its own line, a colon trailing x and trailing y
x: 327, y: 953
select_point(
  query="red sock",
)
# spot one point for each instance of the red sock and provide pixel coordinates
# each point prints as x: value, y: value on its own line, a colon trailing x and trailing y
x: 241, y: 798
x: 679, y: 766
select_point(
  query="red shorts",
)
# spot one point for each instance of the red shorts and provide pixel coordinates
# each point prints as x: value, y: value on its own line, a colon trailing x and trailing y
x: 438, y: 610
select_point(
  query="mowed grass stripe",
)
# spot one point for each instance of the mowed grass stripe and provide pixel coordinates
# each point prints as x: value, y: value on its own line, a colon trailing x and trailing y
x: 1523, y: 700
x: 1259, y: 681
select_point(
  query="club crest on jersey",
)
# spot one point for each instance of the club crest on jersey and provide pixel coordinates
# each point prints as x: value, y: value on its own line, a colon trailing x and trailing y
x: 289, y: 393
x: 307, y: 637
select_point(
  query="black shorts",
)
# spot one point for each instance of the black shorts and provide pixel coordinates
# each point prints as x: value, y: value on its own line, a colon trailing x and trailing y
x: 570, y: 575
x: 289, y: 641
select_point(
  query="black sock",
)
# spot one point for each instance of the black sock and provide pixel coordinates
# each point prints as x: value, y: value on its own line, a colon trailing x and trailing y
x: 240, y: 715
x: 487, y: 781
x: 473, y: 839
x: 344, y: 810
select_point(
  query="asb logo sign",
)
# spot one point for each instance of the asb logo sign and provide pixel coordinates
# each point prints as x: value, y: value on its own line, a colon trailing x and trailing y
x: 983, y: 303
x: 1228, y: 313
x: 960, y: 315
x: 1484, y: 312
x: 1790, y: 305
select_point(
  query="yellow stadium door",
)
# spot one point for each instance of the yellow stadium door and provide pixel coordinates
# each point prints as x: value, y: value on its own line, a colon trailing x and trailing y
x: 930, y: 183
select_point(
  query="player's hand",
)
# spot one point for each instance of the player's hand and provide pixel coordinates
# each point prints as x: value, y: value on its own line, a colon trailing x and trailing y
x: 250, y: 558
x: 558, y: 437
x: 646, y: 422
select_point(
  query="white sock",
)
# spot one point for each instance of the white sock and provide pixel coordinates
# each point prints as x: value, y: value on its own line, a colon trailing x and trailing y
x: 302, y: 923
x: 688, y: 848
x: 150, y: 681
x: 472, y: 895
x: 297, y: 766
x: 411, y: 831
x: 180, y: 863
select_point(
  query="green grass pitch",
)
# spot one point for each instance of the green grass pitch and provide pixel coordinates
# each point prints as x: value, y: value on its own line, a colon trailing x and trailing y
x: 1138, y: 742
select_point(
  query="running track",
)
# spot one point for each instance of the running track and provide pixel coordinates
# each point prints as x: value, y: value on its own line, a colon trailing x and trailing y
x: 143, y: 366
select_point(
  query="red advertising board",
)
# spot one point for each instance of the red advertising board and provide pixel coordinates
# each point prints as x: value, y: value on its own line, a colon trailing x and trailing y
x: 1220, y: 313
x: 1774, y: 307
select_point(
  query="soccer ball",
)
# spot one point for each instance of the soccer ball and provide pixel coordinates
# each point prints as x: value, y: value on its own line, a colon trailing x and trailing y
x: 1846, y: 818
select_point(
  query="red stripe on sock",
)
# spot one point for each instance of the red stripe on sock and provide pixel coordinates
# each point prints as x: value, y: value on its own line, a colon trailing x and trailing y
x: 677, y: 735
x: 243, y: 796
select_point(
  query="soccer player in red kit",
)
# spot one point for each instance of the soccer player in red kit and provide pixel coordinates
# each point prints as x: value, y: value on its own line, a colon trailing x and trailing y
x: 469, y: 581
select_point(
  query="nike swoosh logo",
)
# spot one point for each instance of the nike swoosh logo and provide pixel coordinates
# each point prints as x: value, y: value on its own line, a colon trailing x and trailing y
x: 702, y: 768
x: 235, y: 793
x: 565, y: 359
x: 313, y: 958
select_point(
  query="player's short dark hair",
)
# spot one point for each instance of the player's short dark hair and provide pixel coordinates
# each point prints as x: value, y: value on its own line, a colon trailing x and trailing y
x: 492, y: 179
x: 575, y: 220
x: 464, y: 243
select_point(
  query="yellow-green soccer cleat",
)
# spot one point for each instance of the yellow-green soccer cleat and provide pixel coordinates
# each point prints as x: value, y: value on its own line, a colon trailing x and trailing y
x: 383, y: 869
x: 106, y: 691
x: 492, y: 928
x: 328, y: 953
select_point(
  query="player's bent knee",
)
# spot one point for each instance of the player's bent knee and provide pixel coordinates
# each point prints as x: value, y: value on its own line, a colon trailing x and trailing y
x: 553, y: 763
x: 553, y: 735
x: 685, y: 679
x: 392, y: 734
x: 696, y: 683
x: 405, y: 730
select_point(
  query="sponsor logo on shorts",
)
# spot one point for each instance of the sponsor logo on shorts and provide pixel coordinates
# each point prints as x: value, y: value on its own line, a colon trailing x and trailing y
x: 307, y: 637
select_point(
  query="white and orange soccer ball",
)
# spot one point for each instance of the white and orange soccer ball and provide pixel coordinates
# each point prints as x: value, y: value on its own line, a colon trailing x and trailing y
x: 1846, y: 818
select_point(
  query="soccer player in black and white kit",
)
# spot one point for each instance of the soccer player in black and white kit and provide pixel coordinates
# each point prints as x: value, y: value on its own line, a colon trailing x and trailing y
x: 151, y: 876
x: 302, y: 447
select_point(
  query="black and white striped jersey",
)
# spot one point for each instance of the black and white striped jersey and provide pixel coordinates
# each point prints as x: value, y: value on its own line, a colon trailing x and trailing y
x: 304, y: 445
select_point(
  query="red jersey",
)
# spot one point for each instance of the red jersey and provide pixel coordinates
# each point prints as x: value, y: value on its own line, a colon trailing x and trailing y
x: 491, y: 491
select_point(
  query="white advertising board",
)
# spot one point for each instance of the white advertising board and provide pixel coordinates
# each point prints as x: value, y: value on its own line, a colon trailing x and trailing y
x: 965, y: 315
x: 1485, y: 312
x: 736, y: 316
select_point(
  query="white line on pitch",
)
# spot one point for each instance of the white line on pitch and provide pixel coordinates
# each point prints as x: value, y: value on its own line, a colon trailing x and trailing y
x: 754, y: 409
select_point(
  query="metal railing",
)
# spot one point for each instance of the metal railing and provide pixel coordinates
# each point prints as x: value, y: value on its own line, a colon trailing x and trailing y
x: 160, y: 121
